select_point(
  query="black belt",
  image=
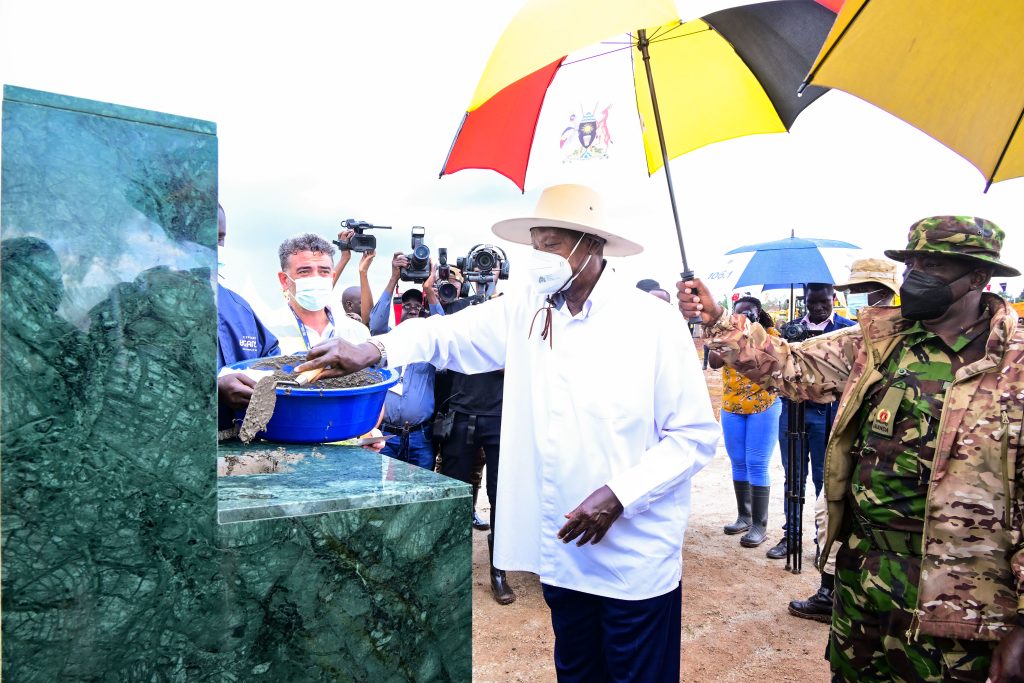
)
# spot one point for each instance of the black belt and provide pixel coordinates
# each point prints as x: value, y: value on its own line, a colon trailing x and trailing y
x: 403, y: 430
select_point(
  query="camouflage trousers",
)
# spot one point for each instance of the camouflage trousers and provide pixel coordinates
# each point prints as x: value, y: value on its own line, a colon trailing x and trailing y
x: 870, y: 638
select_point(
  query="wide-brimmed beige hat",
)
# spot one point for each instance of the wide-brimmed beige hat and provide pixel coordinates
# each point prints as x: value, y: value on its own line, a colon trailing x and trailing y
x: 876, y: 270
x: 573, y: 207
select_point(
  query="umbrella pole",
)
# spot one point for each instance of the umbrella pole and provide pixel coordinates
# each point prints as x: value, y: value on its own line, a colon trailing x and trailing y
x: 642, y: 44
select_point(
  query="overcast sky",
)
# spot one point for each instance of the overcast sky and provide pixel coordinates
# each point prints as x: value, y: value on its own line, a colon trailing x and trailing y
x: 327, y: 110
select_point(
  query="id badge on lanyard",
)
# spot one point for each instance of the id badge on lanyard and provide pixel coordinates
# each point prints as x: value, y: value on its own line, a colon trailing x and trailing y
x: 302, y: 327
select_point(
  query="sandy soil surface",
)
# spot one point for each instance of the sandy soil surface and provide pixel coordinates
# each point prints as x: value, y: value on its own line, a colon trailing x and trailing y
x: 736, y: 626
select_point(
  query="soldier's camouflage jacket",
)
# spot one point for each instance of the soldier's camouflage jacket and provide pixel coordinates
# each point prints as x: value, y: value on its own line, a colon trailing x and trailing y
x: 972, y: 572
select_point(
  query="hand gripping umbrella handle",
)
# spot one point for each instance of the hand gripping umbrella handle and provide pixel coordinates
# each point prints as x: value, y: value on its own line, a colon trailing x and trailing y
x: 687, y: 274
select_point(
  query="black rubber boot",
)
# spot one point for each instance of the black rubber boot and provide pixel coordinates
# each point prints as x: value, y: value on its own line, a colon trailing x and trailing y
x: 759, y: 528
x: 502, y: 592
x: 742, y: 523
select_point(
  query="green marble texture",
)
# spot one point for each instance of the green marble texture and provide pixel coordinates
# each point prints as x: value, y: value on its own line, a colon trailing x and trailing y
x: 318, y: 479
x: 114, y: 565
x: 378, y: 594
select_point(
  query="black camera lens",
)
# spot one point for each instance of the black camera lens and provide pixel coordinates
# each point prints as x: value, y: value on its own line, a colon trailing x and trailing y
x: 485, y: 260
x: 421, y: 254
x: 447, y: 292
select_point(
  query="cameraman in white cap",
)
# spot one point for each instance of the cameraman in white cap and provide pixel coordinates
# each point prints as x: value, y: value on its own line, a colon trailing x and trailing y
x: 602, y: 430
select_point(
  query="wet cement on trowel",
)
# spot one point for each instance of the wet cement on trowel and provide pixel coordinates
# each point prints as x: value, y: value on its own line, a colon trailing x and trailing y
x: 264, y: 396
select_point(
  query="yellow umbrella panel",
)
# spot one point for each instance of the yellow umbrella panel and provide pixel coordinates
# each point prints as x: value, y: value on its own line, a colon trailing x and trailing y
x: 706, y: 93
x: 951, y: 68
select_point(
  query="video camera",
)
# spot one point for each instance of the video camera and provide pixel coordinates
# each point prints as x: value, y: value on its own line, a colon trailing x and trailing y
x: 359, y: 242
x: 418, y: 269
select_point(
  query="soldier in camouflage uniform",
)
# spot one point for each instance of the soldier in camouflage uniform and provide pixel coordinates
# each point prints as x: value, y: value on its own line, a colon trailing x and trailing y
x: 924, y: 475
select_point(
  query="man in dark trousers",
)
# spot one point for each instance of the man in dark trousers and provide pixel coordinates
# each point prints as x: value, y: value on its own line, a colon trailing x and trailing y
x: 821, y: 319
x: 474, y: 411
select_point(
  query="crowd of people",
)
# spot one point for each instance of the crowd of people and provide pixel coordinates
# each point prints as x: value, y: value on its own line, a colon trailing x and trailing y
x: 912, y: 413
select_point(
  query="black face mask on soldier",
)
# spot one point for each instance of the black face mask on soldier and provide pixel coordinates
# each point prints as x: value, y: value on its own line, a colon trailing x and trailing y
x: 926, y: 297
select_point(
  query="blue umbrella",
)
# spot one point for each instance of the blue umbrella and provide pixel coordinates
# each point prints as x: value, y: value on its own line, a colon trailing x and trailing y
x: 785, y: 262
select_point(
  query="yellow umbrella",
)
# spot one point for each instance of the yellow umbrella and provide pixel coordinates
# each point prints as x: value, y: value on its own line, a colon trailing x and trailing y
x: 729, y: 74
x: 952, y: 68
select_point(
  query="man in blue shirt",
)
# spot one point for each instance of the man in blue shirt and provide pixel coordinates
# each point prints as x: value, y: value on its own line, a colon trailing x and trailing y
x: 818, y: 417
x: 409, y: 406
x: 240, y: 336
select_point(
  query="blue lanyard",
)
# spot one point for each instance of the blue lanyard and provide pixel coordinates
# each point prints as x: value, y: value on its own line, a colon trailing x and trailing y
x: 302, y: 326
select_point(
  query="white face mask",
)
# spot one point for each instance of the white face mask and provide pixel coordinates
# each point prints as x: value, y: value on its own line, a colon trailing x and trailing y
x: 312, y: 293
x: 550, y: 273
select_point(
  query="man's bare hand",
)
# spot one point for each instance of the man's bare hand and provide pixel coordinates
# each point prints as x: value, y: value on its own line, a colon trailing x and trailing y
x: 695, y: 300
x: 343, y: 236
x: 339, y: 357
x: 235, y: 390
x: 398, y: 261
x: 591, y: 518
x: 366, y: 260
x: 1008, y: 659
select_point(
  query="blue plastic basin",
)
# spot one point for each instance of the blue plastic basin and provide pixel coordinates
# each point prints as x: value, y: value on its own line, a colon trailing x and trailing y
x: 319, y: 415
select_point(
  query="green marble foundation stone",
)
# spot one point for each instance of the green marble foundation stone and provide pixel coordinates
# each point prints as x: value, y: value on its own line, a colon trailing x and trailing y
x: 122, y: 558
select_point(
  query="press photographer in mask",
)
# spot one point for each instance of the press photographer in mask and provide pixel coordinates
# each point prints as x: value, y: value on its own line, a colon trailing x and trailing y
x: 924, y: 476
x: 472, y: 414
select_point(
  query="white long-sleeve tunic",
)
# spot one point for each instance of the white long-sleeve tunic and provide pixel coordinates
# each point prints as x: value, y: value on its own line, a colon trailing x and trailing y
x: 620, y: 400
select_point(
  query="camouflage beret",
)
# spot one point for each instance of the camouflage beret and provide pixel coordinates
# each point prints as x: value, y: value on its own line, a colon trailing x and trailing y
x: 961, y: 236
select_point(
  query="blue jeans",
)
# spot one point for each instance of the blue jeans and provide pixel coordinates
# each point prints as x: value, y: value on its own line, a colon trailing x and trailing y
x: 818, y: 419
x: 606, y: 640
x: 749, y: 441
x: 414, y: 448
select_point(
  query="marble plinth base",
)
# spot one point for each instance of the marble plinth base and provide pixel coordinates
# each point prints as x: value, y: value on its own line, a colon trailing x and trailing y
x: 324, y: 583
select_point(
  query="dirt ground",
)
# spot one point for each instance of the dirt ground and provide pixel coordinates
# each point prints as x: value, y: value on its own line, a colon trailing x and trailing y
x: 735, y: 623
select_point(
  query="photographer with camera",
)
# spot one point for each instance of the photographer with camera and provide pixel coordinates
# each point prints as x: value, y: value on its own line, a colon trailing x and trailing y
x: 357, y: 301
x: 409, y: 405
x: 925, y: 481
x: 472, y: 419
x: 819, y: 319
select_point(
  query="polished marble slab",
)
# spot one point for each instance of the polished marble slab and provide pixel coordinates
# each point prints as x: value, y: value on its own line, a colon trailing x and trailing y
x: 265, y: 480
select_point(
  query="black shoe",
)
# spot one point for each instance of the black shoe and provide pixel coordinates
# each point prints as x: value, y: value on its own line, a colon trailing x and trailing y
x: 778, y: 551
x: 817, y: 607
x: 479, y: 523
